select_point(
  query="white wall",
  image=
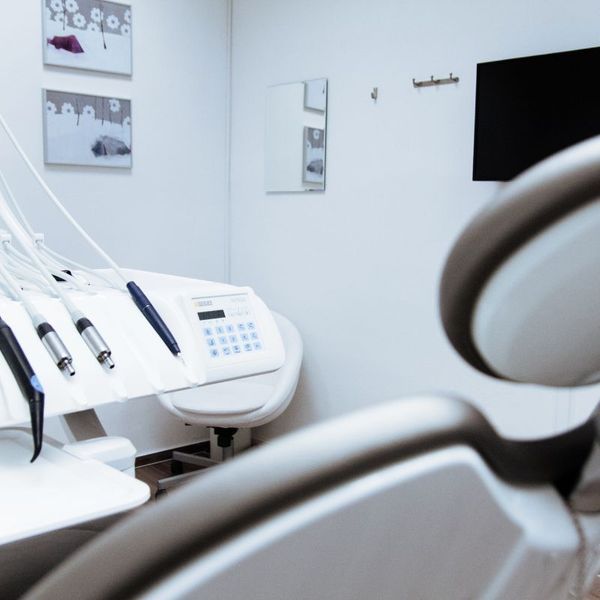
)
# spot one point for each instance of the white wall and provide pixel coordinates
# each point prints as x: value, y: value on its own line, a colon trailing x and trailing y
x: 167, y: 213
x: 399, y: 190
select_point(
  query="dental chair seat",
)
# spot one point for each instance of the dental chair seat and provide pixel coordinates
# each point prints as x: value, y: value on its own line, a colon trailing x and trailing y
x: 207, y: 550
x: 228, y: 398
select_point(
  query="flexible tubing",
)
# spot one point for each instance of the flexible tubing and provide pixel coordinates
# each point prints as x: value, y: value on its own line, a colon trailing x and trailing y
x: 14, y: 205
x: 18, y: 293
x: 27, y: 244
x: 58, y: 203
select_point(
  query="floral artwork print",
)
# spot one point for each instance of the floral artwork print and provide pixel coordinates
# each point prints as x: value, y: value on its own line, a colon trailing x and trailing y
x: 87, y: 130
x: 88, y: 34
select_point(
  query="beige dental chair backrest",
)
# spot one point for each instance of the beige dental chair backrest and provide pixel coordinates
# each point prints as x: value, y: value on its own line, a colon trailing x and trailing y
x: 520, y: 293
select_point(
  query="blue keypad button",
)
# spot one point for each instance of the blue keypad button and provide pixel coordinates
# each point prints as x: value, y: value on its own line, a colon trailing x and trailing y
x: 214, y: 353
x: 244, y: 337
x: 251, y: 325
x: 254, y: 335
x: 257, y: 346
x: 219, y: 330
x: 230, y: 328
x: 236, y: 349
x: 247, y: 347
x: 226, y: 351
x: 241, y: 327
x: 233, y: 339
x: 211, y: 342
x: 222, y: 340
x: 208, y: 331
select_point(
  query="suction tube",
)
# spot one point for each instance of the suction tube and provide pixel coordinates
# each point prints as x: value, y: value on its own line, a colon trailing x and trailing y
x: 28, y: 382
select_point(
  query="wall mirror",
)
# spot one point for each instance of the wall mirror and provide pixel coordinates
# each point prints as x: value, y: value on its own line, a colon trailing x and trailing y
x: 296, y: 135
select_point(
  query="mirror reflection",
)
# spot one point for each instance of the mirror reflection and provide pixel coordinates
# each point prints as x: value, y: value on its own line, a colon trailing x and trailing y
x: 296, y: 133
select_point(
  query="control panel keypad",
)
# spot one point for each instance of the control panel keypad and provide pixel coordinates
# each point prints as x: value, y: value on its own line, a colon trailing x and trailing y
x: 232, y: 339
x: 227, y: 326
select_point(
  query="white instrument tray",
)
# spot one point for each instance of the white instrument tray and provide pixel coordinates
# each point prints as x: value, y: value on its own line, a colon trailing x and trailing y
x: 58, y: 490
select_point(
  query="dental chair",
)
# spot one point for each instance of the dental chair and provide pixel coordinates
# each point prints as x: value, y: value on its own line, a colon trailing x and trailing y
x: 418, y: 498
x: 228, y: 406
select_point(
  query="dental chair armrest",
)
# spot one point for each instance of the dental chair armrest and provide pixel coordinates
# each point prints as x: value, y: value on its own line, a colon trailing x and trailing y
x: 282, y: 473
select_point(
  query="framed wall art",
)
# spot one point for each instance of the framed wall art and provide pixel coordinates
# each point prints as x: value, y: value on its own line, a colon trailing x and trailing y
x: 80, y: 129
x: 88, y: 34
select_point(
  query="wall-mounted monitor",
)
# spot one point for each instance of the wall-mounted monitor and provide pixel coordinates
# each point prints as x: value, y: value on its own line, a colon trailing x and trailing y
x: 529, y: 108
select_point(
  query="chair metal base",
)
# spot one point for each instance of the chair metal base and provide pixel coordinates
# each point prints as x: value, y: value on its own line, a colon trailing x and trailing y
x: 224, y: 443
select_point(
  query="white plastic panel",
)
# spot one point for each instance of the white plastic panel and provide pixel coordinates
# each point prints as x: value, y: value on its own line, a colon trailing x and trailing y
x: 144, y: 365
x: 58, y: 490
x: 248, y: 401
x: 538, y: 317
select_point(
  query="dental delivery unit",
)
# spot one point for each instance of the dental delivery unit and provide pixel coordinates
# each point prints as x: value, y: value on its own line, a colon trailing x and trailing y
x: 53, y: 307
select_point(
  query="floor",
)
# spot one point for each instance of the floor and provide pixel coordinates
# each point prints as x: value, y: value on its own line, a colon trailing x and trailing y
x: 151, y: 472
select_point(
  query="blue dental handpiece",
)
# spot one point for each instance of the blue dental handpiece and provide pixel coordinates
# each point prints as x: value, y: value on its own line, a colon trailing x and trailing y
x: 151, y: 314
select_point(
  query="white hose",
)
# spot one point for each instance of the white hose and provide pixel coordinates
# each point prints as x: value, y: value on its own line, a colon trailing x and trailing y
x: 24, y: 271
x: 58, y: 203
x: 15, y: 205
x: 28, y: 246
x: 55, y: 270
x: 18, y: 294
x: 74, y: 265
x: 27, y: 226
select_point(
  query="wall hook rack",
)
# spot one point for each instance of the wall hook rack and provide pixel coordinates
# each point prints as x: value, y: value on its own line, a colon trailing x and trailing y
x: 432, y: 81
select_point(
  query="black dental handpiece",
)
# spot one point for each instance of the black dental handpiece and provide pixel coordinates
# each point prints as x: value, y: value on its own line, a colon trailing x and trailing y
x: 28, y: 382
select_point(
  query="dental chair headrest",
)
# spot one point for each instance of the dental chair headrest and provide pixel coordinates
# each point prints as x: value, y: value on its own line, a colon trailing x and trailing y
x: 520, y: 291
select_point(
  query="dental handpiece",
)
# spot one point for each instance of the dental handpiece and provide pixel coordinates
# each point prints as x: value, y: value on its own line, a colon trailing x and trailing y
x: 153, y: 317
x: 27, y: 381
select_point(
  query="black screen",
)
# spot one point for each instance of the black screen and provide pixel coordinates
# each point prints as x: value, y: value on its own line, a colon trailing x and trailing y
x: 211, y: 314
x: 529, y: 108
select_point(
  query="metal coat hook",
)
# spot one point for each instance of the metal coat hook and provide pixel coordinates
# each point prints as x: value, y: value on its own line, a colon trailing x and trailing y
x: 375, y: 93
x: 433, y: 81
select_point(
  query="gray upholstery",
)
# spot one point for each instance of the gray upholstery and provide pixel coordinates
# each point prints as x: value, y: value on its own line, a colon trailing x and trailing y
x: 150, y: 545
x: 525, y: 207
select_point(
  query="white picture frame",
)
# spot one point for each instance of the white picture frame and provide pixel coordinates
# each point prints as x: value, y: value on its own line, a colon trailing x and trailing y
x: 87, y: 130
x: 94, y: 35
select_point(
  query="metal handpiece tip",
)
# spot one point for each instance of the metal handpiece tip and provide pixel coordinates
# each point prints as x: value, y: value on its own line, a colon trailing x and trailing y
x: 108, y: 362
x: 68, y: 367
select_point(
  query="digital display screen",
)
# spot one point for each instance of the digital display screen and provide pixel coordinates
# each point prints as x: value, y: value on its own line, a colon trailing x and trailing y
x: 211, y: 314
x: 529, y: 108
